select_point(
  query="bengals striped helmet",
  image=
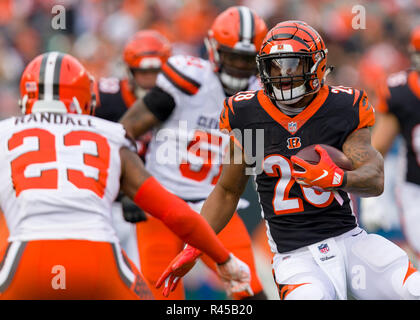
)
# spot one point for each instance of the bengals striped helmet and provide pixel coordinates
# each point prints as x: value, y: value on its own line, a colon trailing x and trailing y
x: 147, y: 50
x: 292, y: 61
x: 232, y: 44
x: 56, y: 82
x: 415, y: 48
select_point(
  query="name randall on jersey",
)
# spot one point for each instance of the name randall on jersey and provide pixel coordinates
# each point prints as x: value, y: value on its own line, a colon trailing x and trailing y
x: 54, y: 118
x: 200, y: 146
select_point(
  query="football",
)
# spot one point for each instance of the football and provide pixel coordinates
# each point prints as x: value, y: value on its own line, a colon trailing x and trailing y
x: 310, y: 155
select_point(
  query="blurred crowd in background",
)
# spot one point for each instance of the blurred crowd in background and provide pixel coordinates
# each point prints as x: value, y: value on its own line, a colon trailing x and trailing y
x: 96, y: 30
x: 363, y: 52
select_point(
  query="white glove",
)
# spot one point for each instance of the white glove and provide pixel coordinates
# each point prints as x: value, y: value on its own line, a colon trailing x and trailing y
x: 235, y: 276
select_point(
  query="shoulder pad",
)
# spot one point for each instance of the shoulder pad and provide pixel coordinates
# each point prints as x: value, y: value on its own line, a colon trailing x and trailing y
x: 232, y: 106
x: 347, y: 97
x: 242, y: 98
x: 185, y: 73
x: 115, y: 132
x: 356, y: 101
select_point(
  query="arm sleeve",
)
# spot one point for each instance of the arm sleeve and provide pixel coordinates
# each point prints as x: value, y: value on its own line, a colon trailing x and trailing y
x: 176, y: 214
x: 160, y: 103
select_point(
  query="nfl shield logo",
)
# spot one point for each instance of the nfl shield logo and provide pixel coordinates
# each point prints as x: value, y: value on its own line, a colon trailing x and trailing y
x: 323, y: 248
x: 292, y: 127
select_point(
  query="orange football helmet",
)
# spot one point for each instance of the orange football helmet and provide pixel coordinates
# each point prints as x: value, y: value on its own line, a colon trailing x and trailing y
x: 56, y: 82
x: 292, y: 61
x: 232, y: 44
x: 147, y: 50
x: 415, y: 48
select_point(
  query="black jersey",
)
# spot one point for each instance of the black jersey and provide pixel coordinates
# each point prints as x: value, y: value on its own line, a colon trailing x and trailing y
x: 401, y: 98
x: 298, y: 216
x: 114, y: 98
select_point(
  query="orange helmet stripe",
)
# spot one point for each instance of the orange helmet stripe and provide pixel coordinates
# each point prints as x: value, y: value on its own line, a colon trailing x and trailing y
x: 179, y: 80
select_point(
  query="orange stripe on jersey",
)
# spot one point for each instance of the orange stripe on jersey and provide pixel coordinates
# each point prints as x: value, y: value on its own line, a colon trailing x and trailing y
x: 126, y: 94
x: 413, y: 83
x: 179, y: 80
x: 301, y: 118
x: 230, y: 104
x: 366, y: 113
x: 4, y: 232
x: 356, y: 96
x: 224, y: 118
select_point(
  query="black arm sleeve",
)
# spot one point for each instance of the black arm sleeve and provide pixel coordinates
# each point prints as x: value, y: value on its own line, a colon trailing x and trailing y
x: 160, y: 103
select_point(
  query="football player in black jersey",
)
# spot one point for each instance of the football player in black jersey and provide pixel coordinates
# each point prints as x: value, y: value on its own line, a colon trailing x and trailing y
x: 143, y: 55
x: 320, y: 252
x: 399, y: 108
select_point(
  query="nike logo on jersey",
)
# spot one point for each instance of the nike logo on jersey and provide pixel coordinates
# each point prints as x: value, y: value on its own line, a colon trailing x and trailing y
x: 321, y: 176
x: 337, y: 179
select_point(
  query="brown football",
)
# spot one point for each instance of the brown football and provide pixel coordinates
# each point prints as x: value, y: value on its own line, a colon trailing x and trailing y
x: 310, y: 155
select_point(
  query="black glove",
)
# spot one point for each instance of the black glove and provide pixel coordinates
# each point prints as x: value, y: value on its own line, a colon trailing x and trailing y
x: 131, y: 212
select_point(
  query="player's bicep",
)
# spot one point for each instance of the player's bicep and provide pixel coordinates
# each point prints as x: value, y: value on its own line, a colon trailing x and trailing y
x: 133, y: 173
x: 138, y: 119
x: 359, y: 150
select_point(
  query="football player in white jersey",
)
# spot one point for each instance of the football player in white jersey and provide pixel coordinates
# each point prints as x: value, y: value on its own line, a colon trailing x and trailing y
x: 186, y: 150
x: 61, y: 171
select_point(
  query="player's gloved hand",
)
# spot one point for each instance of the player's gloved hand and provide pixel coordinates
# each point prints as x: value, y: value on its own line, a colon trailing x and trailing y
x: 235, y: 276
x: 323, y: 175
x: 131, y: 212
x: 178, y: 268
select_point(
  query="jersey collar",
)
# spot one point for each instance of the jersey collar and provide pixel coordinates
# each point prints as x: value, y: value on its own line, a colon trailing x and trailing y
x: 293, y: 124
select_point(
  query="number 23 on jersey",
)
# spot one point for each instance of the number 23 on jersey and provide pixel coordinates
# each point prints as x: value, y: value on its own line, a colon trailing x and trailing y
x: 47, y: 153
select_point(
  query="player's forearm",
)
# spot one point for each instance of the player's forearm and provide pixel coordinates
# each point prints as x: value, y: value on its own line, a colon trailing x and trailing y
x: 138, y: 120
x: 367, y: 180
